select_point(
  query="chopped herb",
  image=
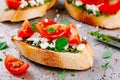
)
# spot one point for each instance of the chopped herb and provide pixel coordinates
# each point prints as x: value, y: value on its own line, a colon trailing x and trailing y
x: 106, y: 65
x: 3, y: 45
x: 60, y: 43
x: 33, y: 26
x: 1, y: 59
x: 72, y: 75
x: 45, y: 1
x: 64, y: 21
x: 51, y: 30
x: 61, y: 75
x: 98, y: 13
x: 107, y: 54
x: 7, y: 9
x: 104, y: 37
x: 69, y: 1
x: 111, y: 0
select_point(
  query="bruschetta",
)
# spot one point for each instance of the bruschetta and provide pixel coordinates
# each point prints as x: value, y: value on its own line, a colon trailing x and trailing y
x: 101, y: 13
x: 20, y: 10
x: 54, y: 44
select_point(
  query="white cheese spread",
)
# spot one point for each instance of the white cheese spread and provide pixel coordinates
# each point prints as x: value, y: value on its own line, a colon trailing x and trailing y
x: 31, y: 3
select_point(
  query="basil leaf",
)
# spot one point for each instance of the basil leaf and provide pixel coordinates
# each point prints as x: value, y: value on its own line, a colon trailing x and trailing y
x: 106, y: 65
x: 7, y: 9
x: 33, y: 26
x: 72, y: 75
x: 64, y: 21
x: 1, y: 59
x: 107, y: 54
x: 51, y: 30
x: 60, y: 43
x: 61, y: 75
x: 3, y: 45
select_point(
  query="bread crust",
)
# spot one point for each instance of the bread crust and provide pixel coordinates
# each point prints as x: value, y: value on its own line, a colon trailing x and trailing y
x: 27, y: 13
x: 78, y: 61
x: 103, y: 21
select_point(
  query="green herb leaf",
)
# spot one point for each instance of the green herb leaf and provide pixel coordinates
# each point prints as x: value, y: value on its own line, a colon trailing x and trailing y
x: 104, y: 37
x: 106, y: 65
x: 3, y: 45
x: 1, y: 59
x: 64, y: 21
x: 60, y: 43
x: 72, y: 75
x: 107, y: 54
x: 61, y: 75
x: 45, y: 1
x: 69, y: 1
x: 7, y: 9
x: 33, y: 26
x: 51, y: 30
x: 111, y: 0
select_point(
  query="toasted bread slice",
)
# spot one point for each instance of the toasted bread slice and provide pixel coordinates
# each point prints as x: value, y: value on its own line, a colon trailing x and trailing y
x: 103, y: 21
x: 77, y: 61
x: 27, y: 13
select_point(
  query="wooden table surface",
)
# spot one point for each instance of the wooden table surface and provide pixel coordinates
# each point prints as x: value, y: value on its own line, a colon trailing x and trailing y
x: 40, y: 72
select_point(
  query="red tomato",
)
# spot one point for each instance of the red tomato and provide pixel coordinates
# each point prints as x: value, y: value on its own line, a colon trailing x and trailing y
x: 47, y: 23
x: 13, y: 3
x: 25, y: 30
x: 15, y: 65
x: 60, y: 30
x: 73, y: 36
x: 95, y: 2
x: 110, y: 7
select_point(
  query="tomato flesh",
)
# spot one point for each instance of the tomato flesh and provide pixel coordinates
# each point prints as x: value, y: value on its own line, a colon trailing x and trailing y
x: 110, y: 7
x: 25, y: 30
x: 13, y: 3
x: 60, y: 31
x: 15, y: 65
x: 95, y: 2
x: 73, y: 36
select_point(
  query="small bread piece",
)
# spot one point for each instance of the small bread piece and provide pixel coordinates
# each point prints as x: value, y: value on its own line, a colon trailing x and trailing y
x: 77, y: 61
x: 103, y: 21
x: 27, y: 13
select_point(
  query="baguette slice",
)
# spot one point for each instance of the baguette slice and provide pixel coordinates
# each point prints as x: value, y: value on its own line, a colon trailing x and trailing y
x: 103, y: 21
x: 78, y: 61
x: 27, y: 13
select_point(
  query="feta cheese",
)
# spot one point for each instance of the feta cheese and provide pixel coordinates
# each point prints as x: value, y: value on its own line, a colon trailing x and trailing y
x: 33, y: 3
x: 23, y: 4
x: 44, y: 45
x: 93, y: 8
x: 43, y: 40
x: 80, y: 47
x: 46, y: 20
x: 40, y: 1
x: 78, y: 3
x: 58, y: 15
x: 35, y: 37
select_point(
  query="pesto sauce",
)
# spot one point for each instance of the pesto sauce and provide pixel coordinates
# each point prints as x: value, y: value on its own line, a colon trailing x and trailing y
x: 83, y: 7
x: 70, y: 49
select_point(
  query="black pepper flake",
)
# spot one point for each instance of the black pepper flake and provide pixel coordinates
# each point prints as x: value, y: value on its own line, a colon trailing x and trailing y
x: 23, y: 78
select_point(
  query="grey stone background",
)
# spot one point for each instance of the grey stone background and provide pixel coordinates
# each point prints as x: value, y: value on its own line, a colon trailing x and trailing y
x: 40, y: 72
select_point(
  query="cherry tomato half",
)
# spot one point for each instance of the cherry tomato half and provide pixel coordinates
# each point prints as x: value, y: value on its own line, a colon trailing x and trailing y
x: 60, y: 30
x: 15, y: 65
x: 95, y: 2
x: 25, y: 30
x: 73, y: 36
x: 110, y: 7
x: 13, y: 3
